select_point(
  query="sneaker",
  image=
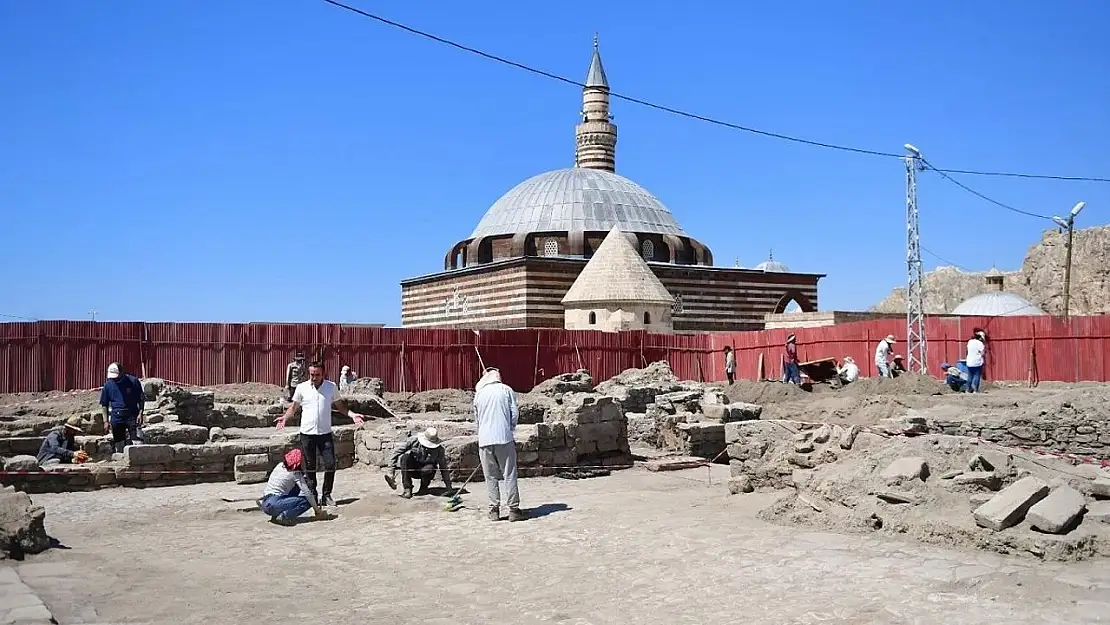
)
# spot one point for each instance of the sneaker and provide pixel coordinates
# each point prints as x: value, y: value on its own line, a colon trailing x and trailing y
x: 495, y: 514
x: 391, y: 481
x: 407, y: 494
x: 329, y: 501
x: 515, y: 514
x: 282, y: 521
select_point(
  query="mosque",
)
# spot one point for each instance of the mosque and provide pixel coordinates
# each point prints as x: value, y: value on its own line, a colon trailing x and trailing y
x: 517, y: 266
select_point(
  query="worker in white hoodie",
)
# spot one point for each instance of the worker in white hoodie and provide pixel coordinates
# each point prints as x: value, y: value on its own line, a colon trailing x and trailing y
x: 495, y: 411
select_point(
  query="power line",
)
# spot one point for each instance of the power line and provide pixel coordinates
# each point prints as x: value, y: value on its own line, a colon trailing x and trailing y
x: 980, y: 195
x: 703, y: 118
x: 944, y: 260
x: 7, y: 316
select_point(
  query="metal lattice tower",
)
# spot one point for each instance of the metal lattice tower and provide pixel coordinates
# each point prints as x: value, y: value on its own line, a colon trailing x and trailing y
x: 915, y: 300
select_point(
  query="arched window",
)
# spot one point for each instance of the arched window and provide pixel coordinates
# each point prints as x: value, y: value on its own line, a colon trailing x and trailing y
x: 593, y: 318
x: 551, y: 247
x: 647, y: 318
x: 676, y: 307
x: 648, y: 249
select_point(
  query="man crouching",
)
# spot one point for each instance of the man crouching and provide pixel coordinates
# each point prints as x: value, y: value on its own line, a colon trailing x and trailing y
x: 421, y: 454
x: 287, y: 495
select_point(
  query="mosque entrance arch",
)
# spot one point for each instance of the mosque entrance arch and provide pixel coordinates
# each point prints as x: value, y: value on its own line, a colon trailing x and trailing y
x: 792, y: 301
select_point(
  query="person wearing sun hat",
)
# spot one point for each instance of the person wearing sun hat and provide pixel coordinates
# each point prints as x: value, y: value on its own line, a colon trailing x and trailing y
x: 421, y: 454
x: 882, y: 356
x: 287, y: 494
x: 60, y: 445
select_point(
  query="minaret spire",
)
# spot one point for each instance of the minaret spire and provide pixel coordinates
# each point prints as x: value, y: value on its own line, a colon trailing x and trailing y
x: 596, y: 136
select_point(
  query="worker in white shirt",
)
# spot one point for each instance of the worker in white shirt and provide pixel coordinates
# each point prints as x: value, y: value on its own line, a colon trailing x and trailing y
x: 316, y: 398
x: 976, y: 357
x: 848, y: 371
x: 287, y: 495
x: 882, y: 356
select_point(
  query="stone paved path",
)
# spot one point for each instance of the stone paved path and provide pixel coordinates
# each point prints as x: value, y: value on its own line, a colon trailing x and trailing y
x: 635, y: 547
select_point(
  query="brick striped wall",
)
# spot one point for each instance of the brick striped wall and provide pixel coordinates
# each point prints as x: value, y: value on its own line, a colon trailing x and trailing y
x: 526, y: 293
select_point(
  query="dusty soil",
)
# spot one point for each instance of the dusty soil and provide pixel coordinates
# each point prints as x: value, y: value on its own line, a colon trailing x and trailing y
x: 867, y: 401
x: 632, y: 547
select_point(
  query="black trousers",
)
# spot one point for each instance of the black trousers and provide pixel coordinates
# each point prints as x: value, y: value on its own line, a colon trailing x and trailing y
x: 409, y: 466
x: 731, y: 376
x: 319, y: 454
x: 122, y: 434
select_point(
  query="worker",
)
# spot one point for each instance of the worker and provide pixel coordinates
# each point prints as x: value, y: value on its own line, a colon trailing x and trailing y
x: 953, y: 377
x: 122, y: 400
x: 287, y: 494
x: 316, y: 399
x: 295, y: 373
x: 421, y: 454
x: 730, y: 364
x: 976, y: 358
x: 848, y: 371
x: 792, y: 373
x: 346, y: 377
x: 882, y: 356
x: 495, y: 411
x: 60, y: 445
x: 897, y: 366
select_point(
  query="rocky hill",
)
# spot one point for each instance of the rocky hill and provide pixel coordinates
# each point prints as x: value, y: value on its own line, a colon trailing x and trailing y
x: 1041, y: 278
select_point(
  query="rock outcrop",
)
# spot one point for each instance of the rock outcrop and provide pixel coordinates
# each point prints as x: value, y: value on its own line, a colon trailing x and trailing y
x: 1040, y: 279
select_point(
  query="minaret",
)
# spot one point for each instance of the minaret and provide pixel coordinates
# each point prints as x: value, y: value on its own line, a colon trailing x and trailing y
x: 596, y: 137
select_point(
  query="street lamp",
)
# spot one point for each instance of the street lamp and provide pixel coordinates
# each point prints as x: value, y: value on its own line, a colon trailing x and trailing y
x: 1068, y: 223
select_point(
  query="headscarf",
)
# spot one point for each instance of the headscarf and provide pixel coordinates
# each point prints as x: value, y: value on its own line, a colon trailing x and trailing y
x: 293, y: 459
x: 489, y: 377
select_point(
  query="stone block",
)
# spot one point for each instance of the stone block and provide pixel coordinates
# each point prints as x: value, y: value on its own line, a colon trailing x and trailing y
x: 252, y: 462
x: 1057, y: 513
x: 715, y: 412
x: 678, y: 463
x: 151, y: 472
x: 821, y: 436
x: 171, y: 433
x: 740, y: 484
x: 848, y: 438
x: 1008, y: 507
x: 978, y: 479
x: 803, y: 447
x: 22, y: 463
x: 142, y: 455
x: 906, y: 469
x: 251, y: 477
x: 1100, y: 488
x: 743, y: 411
x: 1098, y: 512
x: 978, y: 499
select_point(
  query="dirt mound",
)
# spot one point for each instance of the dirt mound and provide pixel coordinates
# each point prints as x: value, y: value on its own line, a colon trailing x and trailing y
x: 368, y: 386
x: 905, y: 384
x: 1089, y: 403
x: 763, y: 392
x: 652, y: 374
x: 446, y: 400
x: 855, y: 493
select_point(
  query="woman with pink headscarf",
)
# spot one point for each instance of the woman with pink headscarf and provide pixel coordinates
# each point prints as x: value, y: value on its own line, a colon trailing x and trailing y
x: 287, y: 495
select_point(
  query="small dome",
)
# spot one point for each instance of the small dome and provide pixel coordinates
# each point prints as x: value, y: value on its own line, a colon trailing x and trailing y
x: 577, y: 199
x: 997, y: 304
x: 993, y: 272
x: 772, y: 266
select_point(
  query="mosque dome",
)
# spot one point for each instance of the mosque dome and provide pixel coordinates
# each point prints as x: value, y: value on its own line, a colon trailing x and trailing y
x: 577, y: 199
x: 771, y: 265
x: 997, y: 304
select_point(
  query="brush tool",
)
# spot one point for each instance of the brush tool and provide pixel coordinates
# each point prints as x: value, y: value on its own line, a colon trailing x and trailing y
x: 455, y: 502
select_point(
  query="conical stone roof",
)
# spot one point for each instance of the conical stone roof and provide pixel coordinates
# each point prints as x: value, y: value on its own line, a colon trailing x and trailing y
x: 617, y: 274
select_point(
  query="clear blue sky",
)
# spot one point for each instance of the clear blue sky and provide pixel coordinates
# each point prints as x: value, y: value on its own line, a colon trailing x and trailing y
x: 272, y: 161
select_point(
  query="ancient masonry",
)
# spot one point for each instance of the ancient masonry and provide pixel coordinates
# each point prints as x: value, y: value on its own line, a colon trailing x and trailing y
x: 521, y: 259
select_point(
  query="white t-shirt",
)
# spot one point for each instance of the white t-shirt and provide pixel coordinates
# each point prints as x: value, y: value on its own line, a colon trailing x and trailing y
x: 975, y: 349
x: 882, y: 353
x: 316, y: 406
x: 850, y: 372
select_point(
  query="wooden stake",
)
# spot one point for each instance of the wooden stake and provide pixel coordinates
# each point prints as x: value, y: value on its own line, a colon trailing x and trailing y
x: 579, y: 354
x: 402, y: 366
x: 536, y: 370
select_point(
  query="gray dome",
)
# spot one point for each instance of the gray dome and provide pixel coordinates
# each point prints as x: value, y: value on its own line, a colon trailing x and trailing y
x: 997, y: 304
x: 772, y: 266
x: 577, y: 199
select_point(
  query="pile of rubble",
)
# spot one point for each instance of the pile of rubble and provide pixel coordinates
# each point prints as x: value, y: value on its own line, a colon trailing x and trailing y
x: 935, y: 488
x: 22, y: 525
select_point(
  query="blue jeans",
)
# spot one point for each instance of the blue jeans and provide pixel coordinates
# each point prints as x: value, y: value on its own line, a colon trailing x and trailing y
x: 285, y: 507
x: 974, y: 377
x: 793, y: 374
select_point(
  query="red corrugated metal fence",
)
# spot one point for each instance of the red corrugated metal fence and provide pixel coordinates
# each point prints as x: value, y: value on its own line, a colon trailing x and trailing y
x: 66, y: 355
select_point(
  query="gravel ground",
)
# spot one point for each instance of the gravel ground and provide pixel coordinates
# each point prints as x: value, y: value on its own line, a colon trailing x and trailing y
x: 634, y: 547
